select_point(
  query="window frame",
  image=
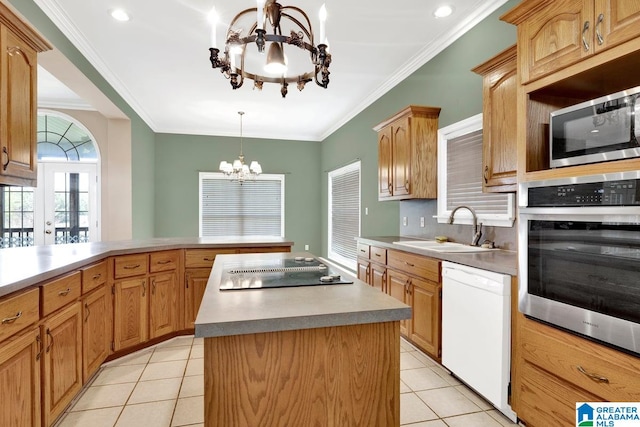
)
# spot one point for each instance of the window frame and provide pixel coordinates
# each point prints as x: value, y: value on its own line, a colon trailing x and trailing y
x: 349, y: 263
x: 455, y: 130
x: 261, y: 177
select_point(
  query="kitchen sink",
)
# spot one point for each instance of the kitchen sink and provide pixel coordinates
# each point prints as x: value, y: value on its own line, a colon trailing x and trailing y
x: 432, y: 245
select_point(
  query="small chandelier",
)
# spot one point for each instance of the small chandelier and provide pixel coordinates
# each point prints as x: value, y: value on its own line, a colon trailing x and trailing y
x: 238, y: 170
x: 301, y: 36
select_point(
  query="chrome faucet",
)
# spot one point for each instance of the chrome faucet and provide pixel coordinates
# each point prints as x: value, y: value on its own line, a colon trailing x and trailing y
x: 477, y: 227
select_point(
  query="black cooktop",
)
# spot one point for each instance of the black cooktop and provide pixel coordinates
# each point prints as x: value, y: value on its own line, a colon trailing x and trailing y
x: 288, y: 272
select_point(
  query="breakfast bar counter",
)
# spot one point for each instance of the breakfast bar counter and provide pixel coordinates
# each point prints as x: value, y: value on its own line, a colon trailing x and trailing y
x: 303, y: 355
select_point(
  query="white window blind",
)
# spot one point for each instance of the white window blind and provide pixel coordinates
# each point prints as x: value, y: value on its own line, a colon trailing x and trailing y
x: 255, y: 208
x: 344, y: 214
x: 460, y: 161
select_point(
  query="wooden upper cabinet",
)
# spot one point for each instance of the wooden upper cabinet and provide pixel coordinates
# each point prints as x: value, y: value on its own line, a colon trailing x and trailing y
x: 407, y: 154
x: 553, y: 34
x: 499, y: 115
x: 19, y: 45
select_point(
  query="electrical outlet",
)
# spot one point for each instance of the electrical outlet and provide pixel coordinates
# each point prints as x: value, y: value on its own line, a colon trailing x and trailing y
x: 306, y: 247
x: 405, y: 221
x: 422, y: 221
x: 366, y: 211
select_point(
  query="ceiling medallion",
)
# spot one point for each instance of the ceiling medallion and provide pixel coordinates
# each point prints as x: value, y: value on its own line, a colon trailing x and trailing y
x: 235, y: 63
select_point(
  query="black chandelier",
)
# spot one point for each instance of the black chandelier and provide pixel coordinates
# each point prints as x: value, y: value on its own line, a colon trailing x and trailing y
x: 276, y: 67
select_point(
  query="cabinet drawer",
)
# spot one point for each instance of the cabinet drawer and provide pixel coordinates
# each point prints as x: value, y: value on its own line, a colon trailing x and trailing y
x: 18, y: 312
x: 424, y: 267
x: 94, y: 276
x: 363, y: 250
x: 602, y: 371
x: 58, y: 293
x: 130, y: 265
x: 203, y: 258
x: 163, y: 261
x: 378, y: 254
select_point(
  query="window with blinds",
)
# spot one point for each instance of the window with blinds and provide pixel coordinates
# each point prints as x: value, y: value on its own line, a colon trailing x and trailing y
x: 344, y: 214
x: 254, y: 208
x: 460, y: 160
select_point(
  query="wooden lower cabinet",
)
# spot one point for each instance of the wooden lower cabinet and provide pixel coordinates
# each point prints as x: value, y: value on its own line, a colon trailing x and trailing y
x: 195, y: 283
x: 130, y: 313
x: 20, y: 405
x: 425, y: 315
x: 62, y: 361
x: 163, y: 303
x: 398, y: 287
x: 96, y: 330
x: 378, y: 277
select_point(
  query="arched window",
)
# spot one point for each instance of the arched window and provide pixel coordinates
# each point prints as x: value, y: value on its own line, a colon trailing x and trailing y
x: 64, y: 206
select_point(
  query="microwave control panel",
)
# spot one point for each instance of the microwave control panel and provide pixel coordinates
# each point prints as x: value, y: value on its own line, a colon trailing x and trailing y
x: 608, y: 193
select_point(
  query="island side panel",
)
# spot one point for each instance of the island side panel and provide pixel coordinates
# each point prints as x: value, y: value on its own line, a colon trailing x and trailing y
x: 335, y: 376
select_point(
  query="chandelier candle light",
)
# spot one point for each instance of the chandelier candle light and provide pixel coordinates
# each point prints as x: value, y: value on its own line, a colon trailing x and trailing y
x: 276, y: 67
x: 238, y: 170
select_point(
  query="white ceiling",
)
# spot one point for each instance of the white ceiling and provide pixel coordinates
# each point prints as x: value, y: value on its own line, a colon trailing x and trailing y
x: 159, y: 61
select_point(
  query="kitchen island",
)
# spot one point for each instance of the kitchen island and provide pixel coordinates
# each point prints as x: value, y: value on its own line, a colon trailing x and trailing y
x: 323, y: 355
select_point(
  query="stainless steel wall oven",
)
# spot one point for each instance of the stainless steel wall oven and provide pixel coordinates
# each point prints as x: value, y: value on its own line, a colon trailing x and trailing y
x: 579, y: 255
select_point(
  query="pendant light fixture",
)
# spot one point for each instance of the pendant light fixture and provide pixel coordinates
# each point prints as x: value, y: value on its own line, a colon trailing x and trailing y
x: 238, y: 170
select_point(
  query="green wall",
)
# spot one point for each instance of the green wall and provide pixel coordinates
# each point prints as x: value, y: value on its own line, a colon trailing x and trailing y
x: 446, y: 82
x: 179, y: 159
x: 142, y: 137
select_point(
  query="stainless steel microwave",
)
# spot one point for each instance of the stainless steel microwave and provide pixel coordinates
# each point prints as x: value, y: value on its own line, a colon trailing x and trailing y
x: 579, y: 256
x: 603, y: 129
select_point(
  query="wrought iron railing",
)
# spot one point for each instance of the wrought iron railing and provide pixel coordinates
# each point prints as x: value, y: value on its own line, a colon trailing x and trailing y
x: 17, y: 237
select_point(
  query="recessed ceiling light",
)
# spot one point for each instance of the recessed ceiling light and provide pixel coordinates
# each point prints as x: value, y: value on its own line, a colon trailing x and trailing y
x: 443, y: 11
x: 120, y: 15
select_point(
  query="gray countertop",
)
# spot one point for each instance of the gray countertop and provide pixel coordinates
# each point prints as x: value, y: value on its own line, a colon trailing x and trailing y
x: 24, y: 267
x: 497, y: 260
x: 224, y: 313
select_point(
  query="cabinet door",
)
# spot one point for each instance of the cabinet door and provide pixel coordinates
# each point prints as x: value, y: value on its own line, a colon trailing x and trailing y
x: 130, y: 321
x: 378, y: 277
x: 425, y: 317
x: 20, y: 379
x: 195, y: 284
x: 96, y: 324
x: 18, y: 116
x: 555, y: 37
x: 385, y: 166
x: 616, y: 21
x: 398, y: 287
x: 499, y: 156
x: 401, y: 157
x: 363, y: 270
x: 62, y: 372
x: 163, y: 304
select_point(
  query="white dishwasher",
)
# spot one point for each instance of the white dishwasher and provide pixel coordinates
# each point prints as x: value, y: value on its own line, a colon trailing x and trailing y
x: 476, y: 330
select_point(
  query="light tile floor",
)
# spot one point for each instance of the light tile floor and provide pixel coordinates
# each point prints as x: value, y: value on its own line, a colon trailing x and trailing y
x: 163, y: 386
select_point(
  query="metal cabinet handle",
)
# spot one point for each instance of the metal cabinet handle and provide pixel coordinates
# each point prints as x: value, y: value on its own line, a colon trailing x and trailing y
x: 50, y: 340
x: 5, y: 164
x: 406, y: 185
x: 390, y: 187
x: 96, y: 277
x: 585, y: 43
x: 208, y: 259
x: 164, y: 262
x: 131, y: 267
x: 12, y: 318
x: 378, y: 255
x: 409, y: 264
x: 153, y: 287
x: 144, y: 288
x: 64, y: 293
x: 593, y: 377
x: 486, y: 174
x: 86, y: 307
x: 598, y: 34
x: 39, y: 341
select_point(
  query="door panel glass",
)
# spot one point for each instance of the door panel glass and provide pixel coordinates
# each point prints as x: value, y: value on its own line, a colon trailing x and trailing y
x: 69, y: 210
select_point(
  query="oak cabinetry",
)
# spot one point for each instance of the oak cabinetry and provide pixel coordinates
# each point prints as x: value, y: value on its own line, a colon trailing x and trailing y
x: 556, y: 72
x: 130, y: 313
x: 499, y: 91
x: 372, y: 267
x: 130, y: 265
x: 19, y: 46
x: 96, y: 330
x: 407, y: 154
x: 62, y: 361
x: 93, y: 276
x: 19, y: 311
x: 163, y: 303
x: 20, y: 405
x: 59, y: 292
x: 553, y: 34
x: 555, y: 369
x: 415, y: 280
